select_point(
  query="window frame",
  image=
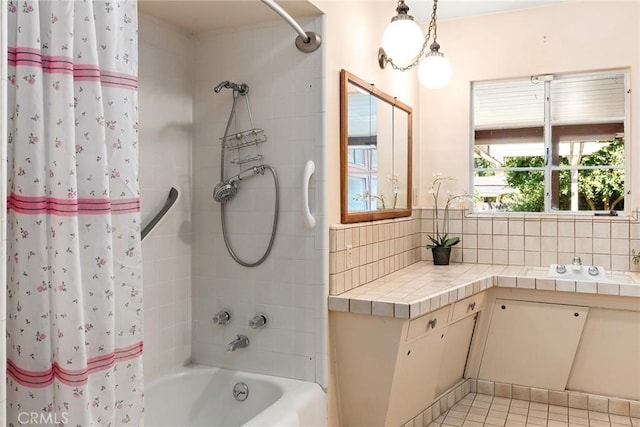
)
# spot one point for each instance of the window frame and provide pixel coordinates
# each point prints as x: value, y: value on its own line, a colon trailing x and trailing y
x: 548, y: 125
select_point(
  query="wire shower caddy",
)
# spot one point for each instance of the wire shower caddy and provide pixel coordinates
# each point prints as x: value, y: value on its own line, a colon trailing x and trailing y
x: 245, y: 140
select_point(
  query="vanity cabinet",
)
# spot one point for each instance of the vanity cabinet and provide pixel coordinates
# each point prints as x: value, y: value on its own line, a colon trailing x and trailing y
x: 389, y: 370
x: 532, y: 343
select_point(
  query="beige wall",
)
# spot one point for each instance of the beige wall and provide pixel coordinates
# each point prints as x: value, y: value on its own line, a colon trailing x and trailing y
x: 569, y: 37
x: 353, y: 35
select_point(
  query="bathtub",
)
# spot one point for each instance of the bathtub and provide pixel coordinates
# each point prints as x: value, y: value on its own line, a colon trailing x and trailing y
x: 204, y: 396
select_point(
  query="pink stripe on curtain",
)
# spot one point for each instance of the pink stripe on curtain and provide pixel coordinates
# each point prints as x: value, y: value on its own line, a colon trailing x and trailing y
x: 39, y: 379
x: 28, y: 57
x: 38, y: 205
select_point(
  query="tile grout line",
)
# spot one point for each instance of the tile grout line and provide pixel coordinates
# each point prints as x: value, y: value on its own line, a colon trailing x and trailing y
x: 467, y: 413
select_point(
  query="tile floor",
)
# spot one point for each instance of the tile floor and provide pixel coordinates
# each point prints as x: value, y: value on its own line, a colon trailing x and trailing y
x: 477, y: 410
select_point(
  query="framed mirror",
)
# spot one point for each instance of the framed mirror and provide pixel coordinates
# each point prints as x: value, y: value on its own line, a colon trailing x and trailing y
x: 375, y: 152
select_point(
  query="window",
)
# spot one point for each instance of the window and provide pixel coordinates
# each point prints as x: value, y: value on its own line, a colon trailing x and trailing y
x: 552, y: 143
x: 362, y: 155
x: 362, y: 170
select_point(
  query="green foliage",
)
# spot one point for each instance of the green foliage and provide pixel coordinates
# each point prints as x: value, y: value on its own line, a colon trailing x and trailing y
x: 635, y: 257
x: 599, y: 189
x: 530, y: 185
x: 480, y: 163
x: 603, y: 189
x: 443, y: 241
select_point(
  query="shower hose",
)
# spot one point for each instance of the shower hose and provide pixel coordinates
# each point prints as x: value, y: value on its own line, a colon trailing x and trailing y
x: 225, y: 235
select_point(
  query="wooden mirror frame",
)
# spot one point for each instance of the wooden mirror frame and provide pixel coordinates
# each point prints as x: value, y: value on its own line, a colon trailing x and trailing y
x: 347, y: 78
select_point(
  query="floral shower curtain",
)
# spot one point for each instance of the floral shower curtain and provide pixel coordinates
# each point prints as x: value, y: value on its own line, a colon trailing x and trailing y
x: 74, y: 286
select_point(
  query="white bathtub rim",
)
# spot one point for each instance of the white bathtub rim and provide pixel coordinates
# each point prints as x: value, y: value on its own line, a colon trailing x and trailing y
x: 295, y: 394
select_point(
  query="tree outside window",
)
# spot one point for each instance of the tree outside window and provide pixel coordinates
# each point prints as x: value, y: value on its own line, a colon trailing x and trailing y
x: 550, y: 143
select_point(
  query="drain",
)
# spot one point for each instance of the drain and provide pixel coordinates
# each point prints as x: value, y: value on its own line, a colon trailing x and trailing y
x: 241, y: 392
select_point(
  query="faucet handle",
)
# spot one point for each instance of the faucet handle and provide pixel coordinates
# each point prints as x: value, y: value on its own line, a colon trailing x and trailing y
x: 258, y: 321
x: 222, y: 317
x: 593, y: 270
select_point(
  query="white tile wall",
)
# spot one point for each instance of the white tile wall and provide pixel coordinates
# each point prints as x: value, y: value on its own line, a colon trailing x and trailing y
x: 165, y: 95
x: 540, y: 240
x: 362, y: 252
x: 291, y: 286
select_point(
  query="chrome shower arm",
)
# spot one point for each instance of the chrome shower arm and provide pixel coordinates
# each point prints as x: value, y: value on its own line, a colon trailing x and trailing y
x: 292, y: 22
x: 306, y: 41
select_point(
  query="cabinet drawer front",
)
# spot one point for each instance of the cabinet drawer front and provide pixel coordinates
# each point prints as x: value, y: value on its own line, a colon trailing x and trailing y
x: 468, y: 306
x: 429, y: 322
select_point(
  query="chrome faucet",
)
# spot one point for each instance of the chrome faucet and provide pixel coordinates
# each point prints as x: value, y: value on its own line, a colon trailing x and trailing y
x: 577, y: 263
x: 222, y: 317
x: 258, y: 321
x: 241, y: 341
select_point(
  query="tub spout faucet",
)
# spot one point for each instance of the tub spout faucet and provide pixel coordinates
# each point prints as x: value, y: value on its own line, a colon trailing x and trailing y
x: 577, y: 263
x: 241, y: 341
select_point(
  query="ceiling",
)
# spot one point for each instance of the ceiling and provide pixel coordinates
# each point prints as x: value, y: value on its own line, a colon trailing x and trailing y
x: 197, y: 16
x: 203, y: 15
x: 448, y: 9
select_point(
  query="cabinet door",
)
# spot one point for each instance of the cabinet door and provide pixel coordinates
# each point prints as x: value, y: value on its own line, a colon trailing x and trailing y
x: 608, y: 358
x: 531, y: 343
x: 456, y: 349
x: 415, y: 376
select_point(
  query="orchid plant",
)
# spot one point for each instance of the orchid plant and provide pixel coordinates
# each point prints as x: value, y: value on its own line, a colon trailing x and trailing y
x: 441, y: 238
x: 365, y: 195
x: 394, y: 181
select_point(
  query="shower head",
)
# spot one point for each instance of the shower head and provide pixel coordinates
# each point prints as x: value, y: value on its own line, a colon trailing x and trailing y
x: 222, y: 85
x: 238, y: 88
x: 225, y: 191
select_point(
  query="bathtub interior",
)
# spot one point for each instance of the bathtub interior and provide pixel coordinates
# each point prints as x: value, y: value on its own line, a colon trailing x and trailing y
x: 203, y: 396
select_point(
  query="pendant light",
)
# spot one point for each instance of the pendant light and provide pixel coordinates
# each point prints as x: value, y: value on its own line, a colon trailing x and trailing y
x: 403, y: 46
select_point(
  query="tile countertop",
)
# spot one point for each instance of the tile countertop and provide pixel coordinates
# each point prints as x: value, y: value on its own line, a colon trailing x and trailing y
x: 422, y: 287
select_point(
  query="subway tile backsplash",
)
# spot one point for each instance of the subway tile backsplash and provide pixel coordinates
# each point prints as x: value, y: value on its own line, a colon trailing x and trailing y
x: 360, y: 253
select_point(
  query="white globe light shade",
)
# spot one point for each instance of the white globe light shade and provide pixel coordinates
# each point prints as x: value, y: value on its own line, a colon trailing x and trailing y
x: 402, y: 41
x: 434, y: 70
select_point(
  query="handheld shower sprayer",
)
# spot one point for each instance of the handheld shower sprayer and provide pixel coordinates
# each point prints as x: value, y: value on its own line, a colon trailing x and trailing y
x: 221, y: 85
x: 226, y: 190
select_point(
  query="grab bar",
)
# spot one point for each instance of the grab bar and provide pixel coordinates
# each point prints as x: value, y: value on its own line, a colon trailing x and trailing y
x: 306, y: 41
x: 173, y: 197
x: 309, y: 220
